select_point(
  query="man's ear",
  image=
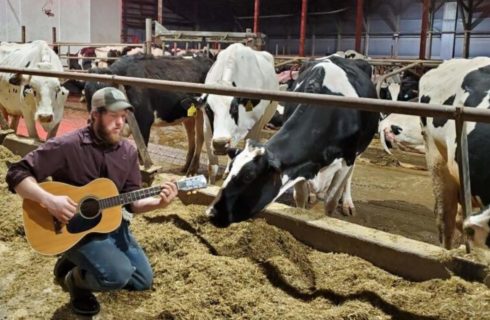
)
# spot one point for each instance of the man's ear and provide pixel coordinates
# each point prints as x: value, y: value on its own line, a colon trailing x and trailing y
x: 233, y: 152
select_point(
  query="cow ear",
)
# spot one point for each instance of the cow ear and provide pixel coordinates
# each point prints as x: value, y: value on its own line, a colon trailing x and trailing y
x: 201, y: 101
x: 233, y: 152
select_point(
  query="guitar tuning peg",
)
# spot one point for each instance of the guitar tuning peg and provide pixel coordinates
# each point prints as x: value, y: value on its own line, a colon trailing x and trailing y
x: 189, y: 192
x: 194, y: 192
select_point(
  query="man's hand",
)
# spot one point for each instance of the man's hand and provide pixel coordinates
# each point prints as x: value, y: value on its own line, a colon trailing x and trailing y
x: 63, y: 208
x: 168, y: 193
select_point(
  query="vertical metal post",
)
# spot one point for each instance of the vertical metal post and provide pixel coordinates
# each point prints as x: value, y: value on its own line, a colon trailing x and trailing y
x: 463, y: 166
x: 359, y: 22
x: 148, y: 36
x: 467, y: 23
x: 23, y: 34
x: 160, y: 12
x: 256, y: 15
x: 53, y: 35
x: 302, y: 35
x: 423, y: 29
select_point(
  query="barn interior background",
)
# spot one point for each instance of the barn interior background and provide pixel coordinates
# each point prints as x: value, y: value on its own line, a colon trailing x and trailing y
x: 389, y: 28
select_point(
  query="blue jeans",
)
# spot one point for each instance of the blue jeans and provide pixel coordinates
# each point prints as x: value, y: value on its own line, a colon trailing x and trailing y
x: 112, y: 261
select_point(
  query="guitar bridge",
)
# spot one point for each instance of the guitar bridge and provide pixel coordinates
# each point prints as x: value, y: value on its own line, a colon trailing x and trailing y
x: 57, y: 226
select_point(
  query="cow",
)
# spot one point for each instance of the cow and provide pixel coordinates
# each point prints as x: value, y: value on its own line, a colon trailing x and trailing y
x: 313, y: 139
x: 477, y: 229
x: 456, y: 82
x: 153, y: 106
x: 230, y: 119
x: 35, y: 98
x: 402, y: 131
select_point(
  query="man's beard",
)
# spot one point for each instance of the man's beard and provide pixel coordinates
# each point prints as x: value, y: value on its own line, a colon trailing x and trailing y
x: 105, y: 136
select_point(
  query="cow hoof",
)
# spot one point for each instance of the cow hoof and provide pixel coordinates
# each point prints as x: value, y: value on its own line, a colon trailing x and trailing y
x: 348, y: 211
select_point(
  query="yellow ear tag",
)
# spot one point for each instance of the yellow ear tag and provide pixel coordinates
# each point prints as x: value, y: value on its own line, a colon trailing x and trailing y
x: 191, y: 112
x: 249, y: 106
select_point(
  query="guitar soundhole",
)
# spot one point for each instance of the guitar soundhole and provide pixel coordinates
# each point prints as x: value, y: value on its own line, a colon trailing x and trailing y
x: 89, y: 208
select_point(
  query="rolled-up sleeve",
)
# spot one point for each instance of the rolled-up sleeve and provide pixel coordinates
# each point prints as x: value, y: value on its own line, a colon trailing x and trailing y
x: 40, y: 164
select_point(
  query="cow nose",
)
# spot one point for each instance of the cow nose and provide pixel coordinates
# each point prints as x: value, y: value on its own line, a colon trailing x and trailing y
x: 211, y: 212
x: 220, y: 145
x: 45, y: 118
x: 396, y: 129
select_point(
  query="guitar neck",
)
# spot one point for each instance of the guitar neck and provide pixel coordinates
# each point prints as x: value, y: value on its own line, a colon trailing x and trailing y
x: 128, y: 197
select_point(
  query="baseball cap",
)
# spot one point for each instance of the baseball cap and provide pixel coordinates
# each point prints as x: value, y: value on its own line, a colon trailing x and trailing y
x: 111, y: 99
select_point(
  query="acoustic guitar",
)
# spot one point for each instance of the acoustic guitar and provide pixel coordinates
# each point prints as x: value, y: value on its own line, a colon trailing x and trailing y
x: 99, y: 210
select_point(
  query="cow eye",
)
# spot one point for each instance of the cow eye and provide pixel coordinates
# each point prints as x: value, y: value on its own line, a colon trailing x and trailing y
x: 248, y: 177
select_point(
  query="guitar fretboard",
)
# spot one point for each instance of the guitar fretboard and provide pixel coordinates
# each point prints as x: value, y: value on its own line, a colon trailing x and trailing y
x: 129, y: 197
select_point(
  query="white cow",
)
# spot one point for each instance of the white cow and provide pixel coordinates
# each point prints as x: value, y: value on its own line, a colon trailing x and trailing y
x: 458, y: 82
x: 35, y: 98
x: 230, y: 119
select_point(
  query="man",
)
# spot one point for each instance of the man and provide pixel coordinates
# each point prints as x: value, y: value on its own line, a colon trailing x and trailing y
x: 99, y: 262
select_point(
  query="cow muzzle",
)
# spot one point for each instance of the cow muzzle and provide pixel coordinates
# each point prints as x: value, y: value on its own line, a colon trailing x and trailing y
x: 221, y: 145
x: 45, y: 118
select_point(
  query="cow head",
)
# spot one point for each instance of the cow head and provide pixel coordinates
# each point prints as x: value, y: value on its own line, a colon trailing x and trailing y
x: 231, y: 119
x: 402, y: 131
x: 477, y: 229
x: 254, y: 181
x: 44, y: 95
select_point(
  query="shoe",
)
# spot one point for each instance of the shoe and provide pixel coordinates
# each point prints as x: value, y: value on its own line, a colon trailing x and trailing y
x: 61, y: 268
x: 82, y: 301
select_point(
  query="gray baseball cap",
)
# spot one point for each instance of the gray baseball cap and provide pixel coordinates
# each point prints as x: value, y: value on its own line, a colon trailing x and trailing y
x: 111, y: 99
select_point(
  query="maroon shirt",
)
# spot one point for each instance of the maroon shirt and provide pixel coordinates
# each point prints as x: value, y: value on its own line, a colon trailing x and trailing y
x: 78, y: 158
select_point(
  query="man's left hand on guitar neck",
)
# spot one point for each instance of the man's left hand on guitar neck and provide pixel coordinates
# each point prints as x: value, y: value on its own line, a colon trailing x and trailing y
x: 168, y: 193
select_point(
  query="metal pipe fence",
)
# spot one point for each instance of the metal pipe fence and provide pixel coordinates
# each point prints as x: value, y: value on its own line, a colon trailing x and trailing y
x: 458, y: 113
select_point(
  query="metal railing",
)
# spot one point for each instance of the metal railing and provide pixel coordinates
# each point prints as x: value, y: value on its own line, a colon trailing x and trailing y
x: 457, y: 113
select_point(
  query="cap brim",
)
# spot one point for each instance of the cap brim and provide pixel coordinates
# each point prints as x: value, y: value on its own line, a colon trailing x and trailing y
x: 119, y: 105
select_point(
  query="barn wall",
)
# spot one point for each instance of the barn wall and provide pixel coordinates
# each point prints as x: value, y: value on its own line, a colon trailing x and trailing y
x: 393, y: 27
x: 105, y: 21
x: 75, y: 20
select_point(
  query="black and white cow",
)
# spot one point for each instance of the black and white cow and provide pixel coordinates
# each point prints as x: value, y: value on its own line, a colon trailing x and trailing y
x: 401, y: 130
x: 311, y: 140
x: 230, y: 119
x: 458, y: 82
x: 35, y: 98
x: 159, y: 107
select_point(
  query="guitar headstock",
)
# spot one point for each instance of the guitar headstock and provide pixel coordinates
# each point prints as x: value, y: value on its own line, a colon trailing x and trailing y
x: 192, y: 183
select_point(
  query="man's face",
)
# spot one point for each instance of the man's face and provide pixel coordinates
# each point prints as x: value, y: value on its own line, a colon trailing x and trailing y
x: 109, y: 125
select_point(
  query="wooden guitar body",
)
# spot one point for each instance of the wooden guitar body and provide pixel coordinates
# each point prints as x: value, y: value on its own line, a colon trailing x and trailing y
x: 48, y: 236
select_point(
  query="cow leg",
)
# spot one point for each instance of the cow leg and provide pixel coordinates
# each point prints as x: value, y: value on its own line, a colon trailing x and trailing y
x: 445, y: 191
x: 53, y: 131
x: 199, y: 140
x: 31, y: 125
x: 14, y: 123
x: 301, y: 193
x: 336, y: 188
x: 213, y: 164
x: 189, y: 125
x: 348, y: 207
x: 256, y: 131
